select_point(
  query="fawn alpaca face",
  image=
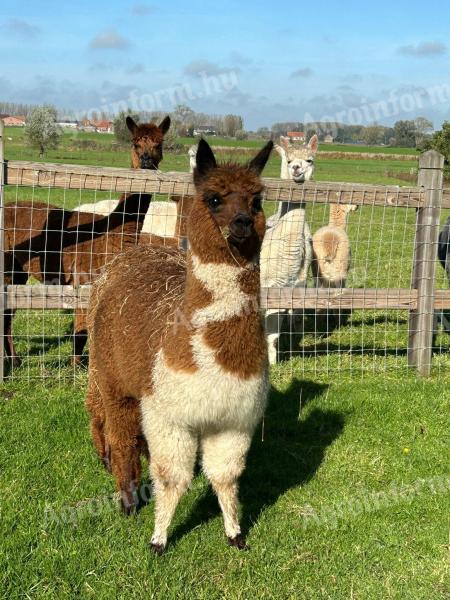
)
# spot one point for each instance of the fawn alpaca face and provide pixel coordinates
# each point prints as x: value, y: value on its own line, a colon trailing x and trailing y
x: 147, y: 140
x: 232, y: 195
x: 300, y: 159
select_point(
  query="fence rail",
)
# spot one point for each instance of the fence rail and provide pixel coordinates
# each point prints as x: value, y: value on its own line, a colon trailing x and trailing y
x: 108, y: 179
x: 68, y: 297
x: 421, y: 301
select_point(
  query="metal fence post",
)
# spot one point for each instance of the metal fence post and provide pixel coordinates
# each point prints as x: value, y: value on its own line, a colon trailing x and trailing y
x: 421, y: 320
x: 2, y: 257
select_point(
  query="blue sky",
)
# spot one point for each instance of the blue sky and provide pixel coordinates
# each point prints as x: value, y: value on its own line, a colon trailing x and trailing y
x: 268, y: 61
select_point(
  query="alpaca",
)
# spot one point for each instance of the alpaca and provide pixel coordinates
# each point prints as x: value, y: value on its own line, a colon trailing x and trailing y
x: 444, y: 248
x: 331, y: 263
x: 444, y: 258
x: 331, y: 248
x: 65, y: 247
x: 177, y: 349
x: 284, y: 264
x: 147, y: 138
x: 286, y: 255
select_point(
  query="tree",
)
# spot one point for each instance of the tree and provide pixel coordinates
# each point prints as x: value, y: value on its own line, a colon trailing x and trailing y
x: 42, y: 130
x: 440, y: 141
x: 241, y: 134
x: 121, y: 130
x: 405, y: 134
x: 231, y: 124
x: 423, y: 129
x: 373, y: 134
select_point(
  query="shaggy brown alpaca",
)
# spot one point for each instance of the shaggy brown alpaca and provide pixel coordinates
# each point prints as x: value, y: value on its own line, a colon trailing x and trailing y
x: 65, y: 247
x: 178, y: 351
x: 147, y: 138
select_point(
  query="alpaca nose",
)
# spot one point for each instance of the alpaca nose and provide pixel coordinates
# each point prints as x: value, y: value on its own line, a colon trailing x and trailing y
x: 147, y: 161
x: 241, y: 226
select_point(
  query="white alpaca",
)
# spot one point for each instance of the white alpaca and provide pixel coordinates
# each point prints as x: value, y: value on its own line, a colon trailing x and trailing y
x: 286, y: 254
x: 283, y: 264
x: 331, y: 248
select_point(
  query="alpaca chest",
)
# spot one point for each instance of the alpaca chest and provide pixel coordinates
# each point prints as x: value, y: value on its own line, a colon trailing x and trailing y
x: 209, y: 398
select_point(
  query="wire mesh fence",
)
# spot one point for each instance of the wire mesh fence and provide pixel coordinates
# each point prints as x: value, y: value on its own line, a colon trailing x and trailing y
x: 348, y: 270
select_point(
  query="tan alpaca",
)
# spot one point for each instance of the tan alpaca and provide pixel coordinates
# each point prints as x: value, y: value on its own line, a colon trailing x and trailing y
x: 177, y: 349
x: 331, y: 248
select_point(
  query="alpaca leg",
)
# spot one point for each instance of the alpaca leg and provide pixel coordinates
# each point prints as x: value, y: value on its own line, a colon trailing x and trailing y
x: 80, y: 336
x: 172, y: 458
x: 273, y: 325
x: 94, y: 405
x: 223, y: 462
x: 10, y: 350
x: 122, y: 432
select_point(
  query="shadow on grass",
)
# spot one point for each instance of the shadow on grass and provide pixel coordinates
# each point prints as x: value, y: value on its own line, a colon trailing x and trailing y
x: 290, y: 455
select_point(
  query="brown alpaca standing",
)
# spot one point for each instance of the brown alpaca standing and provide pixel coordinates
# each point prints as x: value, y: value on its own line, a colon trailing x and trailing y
x: 65, y: 247
x: 178, y: 351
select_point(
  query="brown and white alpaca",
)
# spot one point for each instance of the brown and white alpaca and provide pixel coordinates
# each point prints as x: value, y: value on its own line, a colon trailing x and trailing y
x: 65, y: 247
x: 177, y: 349
x: 331, y: 248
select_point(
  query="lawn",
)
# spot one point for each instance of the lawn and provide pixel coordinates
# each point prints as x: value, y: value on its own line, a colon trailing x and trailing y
x: 347, y: 491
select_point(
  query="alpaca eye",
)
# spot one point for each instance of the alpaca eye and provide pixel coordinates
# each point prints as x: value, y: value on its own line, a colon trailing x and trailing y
x: 310, y: 161
x: 289, y: 162
x: 214, y: 202
x: 256, y: 206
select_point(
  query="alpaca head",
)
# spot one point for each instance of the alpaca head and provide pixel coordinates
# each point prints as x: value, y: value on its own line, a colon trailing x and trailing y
x: 147, y: 139
x: 227, y: 219
x: 299, y: 159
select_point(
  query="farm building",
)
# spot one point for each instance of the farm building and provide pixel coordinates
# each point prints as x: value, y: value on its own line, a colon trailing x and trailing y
x: 14, y: 121
x: 205, y: 130
x: 296, y: 136
x: 68, y: 124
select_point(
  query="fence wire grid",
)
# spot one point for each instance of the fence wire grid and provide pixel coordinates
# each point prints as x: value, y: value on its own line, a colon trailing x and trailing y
x: 64, y: 235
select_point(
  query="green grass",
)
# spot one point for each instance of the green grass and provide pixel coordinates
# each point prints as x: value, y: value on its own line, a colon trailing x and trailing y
x: 347, y: 419
x: 327, y: 447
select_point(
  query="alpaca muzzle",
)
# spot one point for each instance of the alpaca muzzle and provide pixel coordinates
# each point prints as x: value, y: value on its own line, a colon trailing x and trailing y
x: 147, y: 162
x: 241, y: 227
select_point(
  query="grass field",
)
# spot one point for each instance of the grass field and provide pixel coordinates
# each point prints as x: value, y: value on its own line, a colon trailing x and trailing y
x: 347, y: 491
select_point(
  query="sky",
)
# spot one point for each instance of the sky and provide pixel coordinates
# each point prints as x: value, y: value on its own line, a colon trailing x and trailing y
x: 352, y: 62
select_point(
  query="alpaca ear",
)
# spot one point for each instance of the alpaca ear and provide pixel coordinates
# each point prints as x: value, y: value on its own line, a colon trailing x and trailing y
x: 131, y: 125
x: 205, y: 161
x: 258, y: 163
x: 281, y: 151
x: 313, y: 144
x: 164, y: 125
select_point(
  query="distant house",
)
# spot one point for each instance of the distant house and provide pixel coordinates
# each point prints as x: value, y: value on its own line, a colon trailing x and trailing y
x: 328, y: 139
x: 296, y: 136
x: 67, y: 124
x: 14, y: 121
x: 103, y: 126
x: 204, y: 130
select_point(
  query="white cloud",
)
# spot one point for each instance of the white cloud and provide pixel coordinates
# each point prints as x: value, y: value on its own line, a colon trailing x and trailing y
x: 109, y: 39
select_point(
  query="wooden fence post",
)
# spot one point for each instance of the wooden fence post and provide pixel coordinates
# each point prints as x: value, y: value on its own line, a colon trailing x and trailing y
x: 421, y: 321
x: 2, y: 257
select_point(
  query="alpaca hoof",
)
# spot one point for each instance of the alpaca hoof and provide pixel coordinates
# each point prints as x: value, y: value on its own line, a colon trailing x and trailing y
x: 128, y: 503
x: 158, y: 549
x: 238, y: 542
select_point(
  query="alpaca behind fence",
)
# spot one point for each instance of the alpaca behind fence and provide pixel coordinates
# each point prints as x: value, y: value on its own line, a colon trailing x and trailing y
x: 64, y: 247
x: 181, y: 340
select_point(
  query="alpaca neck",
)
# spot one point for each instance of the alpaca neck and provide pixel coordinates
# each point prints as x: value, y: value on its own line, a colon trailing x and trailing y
x: 284, y: 168
x: 338, y: 216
